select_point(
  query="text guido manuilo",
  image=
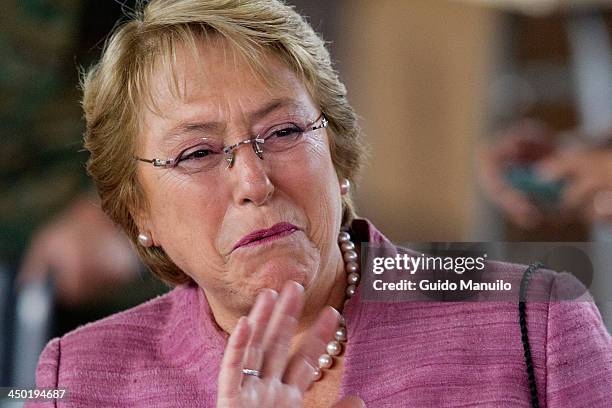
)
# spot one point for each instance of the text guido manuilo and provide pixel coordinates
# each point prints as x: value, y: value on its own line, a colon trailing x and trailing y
x: 411, y: 264
x: 427, y: 285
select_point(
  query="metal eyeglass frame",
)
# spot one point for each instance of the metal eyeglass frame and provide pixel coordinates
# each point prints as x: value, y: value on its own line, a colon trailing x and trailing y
x: 229, y: 150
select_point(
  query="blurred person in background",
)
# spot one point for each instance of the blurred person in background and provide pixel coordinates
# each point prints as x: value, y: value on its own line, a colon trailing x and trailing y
x: 51, y: 226
x: 222, y: 142
x: 581, y: 172
x: 552, y: 171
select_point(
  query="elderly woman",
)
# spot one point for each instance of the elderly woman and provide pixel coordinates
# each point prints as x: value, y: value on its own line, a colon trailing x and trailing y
x: 222, y: 142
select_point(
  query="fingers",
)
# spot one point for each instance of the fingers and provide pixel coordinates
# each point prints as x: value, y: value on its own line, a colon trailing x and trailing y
x: 259, y: 317
x: 518, y: 208
x: 588, y: 183
x: 557, y: 167
x: 230, y: 376
x: 580, y: 193
x: 300, y: 371
x: 526, y: 141
x: 601, y: 207
x: 283, y: 322
x: 581, y: 171
x: 512, y: 202
x: 262, y: 342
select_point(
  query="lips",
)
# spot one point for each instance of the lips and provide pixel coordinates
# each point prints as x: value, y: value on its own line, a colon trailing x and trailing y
x: 264, y: 235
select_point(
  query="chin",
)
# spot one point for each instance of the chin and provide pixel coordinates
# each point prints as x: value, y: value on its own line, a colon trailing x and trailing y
x: 273, y: 264
x: 273, y: 273
x: 276, y: 273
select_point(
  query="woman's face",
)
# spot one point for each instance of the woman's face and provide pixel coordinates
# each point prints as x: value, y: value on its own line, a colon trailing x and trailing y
x: 216, y: 225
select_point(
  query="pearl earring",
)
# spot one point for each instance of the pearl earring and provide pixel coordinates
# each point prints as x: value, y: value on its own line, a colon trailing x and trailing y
x: 144, y: 240
x: 345, y: 186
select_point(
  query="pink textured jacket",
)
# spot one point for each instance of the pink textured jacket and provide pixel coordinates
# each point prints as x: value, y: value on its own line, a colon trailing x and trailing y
x: 166, y: 353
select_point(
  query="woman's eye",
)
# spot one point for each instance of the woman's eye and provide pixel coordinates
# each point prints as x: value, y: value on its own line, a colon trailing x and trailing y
x: 286, y: 132
x: 197, y: 154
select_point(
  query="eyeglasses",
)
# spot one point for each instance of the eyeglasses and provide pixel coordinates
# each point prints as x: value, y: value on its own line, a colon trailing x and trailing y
x: 206, y: 154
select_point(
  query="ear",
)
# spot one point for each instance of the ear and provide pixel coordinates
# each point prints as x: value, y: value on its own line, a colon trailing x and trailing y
x: 345, y: 186
x: 146, y: 236
x: 145, y: 239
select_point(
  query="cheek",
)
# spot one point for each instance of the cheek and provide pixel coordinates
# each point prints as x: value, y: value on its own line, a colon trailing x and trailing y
x: 323, y: 175
x: 185, y: 221
x: 315, y: 188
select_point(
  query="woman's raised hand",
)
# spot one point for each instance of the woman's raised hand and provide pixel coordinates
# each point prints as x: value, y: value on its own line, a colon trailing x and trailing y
x: 261, y: 342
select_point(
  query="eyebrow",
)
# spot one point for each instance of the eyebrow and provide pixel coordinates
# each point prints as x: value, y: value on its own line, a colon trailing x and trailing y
x: 208, y: 127
x: 274, y: 105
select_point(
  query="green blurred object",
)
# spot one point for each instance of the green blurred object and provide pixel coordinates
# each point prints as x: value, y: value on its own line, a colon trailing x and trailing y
x: 543, y: 193
x: 42, y: 167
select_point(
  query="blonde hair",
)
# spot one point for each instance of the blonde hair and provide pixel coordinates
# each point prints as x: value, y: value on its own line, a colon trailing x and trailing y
x: 115, y: 89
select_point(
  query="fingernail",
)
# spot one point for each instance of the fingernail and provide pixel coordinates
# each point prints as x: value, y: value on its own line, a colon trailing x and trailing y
x: 301, y: 287
x: 271, y: 291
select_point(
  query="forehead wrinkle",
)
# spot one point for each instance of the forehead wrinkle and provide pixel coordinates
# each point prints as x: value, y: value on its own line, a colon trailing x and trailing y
x: 216, y: 127
x: 275, y: 105
x: 206, y: 53
x: 211, y: 113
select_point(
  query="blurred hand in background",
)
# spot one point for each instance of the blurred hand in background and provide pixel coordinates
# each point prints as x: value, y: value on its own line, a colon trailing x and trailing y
x: 588, y: 173
x: 526, y: 142
x: 584, y: 172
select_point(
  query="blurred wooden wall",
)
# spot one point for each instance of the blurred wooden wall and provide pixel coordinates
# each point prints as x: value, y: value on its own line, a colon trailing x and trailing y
x: 417, y: 73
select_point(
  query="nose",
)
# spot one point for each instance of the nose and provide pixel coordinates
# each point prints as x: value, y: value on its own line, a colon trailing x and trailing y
x: 249, y: 178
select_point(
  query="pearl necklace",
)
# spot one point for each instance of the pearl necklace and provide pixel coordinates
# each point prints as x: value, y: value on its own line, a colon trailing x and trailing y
x: 334, y: 347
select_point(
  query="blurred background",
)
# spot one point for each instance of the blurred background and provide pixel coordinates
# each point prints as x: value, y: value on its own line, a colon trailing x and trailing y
x: 487, y: 120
